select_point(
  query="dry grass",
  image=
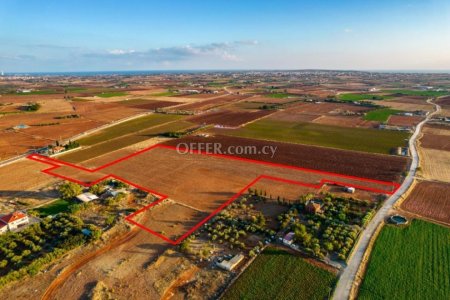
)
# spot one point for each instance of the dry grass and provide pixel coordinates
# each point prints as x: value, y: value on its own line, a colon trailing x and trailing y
x: 435, y: 164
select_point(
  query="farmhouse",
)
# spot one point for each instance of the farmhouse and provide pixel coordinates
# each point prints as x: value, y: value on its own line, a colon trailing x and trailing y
x: 288, y: 239
x: 86, y: 197
x: 313, y: 206
x: 229, y: 265
x: 13, y: 221
x: 58, y: 149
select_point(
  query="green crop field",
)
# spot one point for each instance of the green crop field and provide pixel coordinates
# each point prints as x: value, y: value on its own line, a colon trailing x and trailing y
x: 276, y: 274
x: 164, y: 94
x: 359, y: 139
x: 81, y: 100
x: 76, y: 89
x: 111, y: 94
x: 128, y: 127
x: 278, y: 95
x: 409, y: 263
x: 381, y: 114
x: 124, y: 141
x: 418, y: 93
x: 53, y: 208
x: 359, y: 97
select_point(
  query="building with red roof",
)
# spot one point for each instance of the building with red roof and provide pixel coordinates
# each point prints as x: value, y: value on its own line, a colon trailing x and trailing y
x: 13, y: 221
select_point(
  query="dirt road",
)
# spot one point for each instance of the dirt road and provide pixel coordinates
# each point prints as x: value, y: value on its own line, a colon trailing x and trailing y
x: 70, y: 270
x: 348, y: 276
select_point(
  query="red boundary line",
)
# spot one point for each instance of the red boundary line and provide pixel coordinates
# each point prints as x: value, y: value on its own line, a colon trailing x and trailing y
x: 55, y: 164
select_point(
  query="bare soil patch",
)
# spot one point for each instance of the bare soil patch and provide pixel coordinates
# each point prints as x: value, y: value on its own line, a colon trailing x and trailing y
x: 435, y: 141
x: 270, y: 100
x: 381, y: 167
x: 404, y: 120
x: 444, y: 101
x: 283, y: 190
x: 430, y: 200
x: 214, y: 102
x: 293, y: 117
x: 406, y: 106
x: 229, y: 118
x: 409, y: 99
x: 147, y: 104
x: 172, y: 219
x: 346, y: 121
x: 436, y: 129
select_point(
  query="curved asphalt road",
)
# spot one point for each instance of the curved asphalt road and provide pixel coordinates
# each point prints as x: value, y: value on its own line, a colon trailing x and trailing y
x: 348, y: 276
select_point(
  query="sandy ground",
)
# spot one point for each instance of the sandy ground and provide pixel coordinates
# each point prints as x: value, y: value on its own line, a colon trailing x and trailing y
x: 406, y: 106
x: 435, y: 164
x: 24, y: 175
x: 345, y: 121
x: 437, y: 130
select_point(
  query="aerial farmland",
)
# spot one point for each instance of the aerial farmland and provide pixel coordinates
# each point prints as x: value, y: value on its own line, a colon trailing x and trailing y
x: 197, y: 185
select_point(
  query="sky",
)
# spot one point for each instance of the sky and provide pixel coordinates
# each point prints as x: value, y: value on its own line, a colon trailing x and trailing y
x: 97, y: 35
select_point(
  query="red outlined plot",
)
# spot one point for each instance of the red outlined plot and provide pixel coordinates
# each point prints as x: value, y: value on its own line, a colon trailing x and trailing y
x: 388, y: 187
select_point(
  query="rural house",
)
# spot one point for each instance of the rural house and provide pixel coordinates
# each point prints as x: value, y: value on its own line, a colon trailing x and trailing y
x: 13, y: 221
x: 314, y: 206
x: 288, y: 239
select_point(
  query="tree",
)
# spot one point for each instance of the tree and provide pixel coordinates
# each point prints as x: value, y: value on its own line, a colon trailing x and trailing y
x: 69, y: 190
x: 185, y: 246
x: 3, y: 263
x: 328, y: 246
x: 96, y: 189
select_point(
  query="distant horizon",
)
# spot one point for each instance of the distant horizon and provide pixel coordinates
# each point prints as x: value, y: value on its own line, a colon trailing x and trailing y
x: 156, y: 71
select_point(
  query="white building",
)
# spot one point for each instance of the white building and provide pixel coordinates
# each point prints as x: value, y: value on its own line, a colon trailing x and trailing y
x: 350, y: 189
x: 229, y: 265
x: 3, y: 228
x: 289, y: 239
x: 86, y: 197
x: 13, y: 221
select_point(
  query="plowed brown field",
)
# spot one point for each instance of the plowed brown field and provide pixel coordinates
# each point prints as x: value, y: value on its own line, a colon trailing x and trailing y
x: 375, y: 166
x: 430, y: 200
x: 229, y: 118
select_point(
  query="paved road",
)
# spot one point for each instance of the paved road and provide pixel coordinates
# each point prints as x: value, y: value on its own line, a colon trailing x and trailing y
x: 348, y: 275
